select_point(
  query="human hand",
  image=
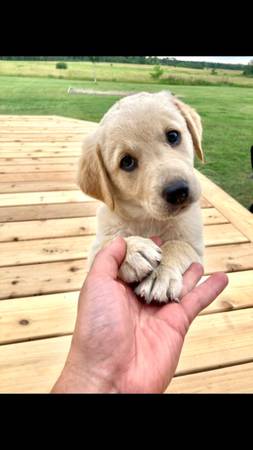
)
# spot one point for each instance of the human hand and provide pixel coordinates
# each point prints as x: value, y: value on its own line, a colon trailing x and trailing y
x: 122, y: 345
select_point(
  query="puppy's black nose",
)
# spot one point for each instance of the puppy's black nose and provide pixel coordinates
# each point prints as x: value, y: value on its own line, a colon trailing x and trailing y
x: 176, y: 193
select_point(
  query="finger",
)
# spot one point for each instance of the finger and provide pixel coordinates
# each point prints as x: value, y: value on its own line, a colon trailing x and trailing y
x: 108, y: 260
x: 191, y: 277
x: 157, y: 240
x: 202, y: 295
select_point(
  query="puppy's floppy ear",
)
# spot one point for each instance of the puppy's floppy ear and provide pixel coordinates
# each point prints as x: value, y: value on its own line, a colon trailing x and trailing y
x: 92, y: 175
x: 193, y: 122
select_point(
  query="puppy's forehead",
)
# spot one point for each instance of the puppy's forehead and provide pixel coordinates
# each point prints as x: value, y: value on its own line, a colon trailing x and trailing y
x: 144, y: 112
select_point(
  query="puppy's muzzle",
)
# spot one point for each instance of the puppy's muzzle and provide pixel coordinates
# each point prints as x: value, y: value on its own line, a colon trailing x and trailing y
x: 176, y: 193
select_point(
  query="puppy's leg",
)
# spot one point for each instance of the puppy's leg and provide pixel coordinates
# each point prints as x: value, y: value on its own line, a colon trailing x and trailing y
x: 165, y: 283
x: 142, y: 257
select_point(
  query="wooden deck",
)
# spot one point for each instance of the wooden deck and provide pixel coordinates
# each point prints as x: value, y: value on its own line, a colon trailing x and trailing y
x: 46, y: 227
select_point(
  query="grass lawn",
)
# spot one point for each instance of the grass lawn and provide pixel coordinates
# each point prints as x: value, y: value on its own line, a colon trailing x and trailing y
x: 227, y: 115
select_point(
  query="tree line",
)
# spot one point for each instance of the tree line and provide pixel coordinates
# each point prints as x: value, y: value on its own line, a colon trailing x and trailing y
x: 152, y: 60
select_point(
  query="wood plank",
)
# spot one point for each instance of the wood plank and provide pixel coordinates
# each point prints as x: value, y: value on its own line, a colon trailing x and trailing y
x: 44, y: 278
x: 35, y: 198
x: 37, y: 186
x: 77, y: 138
x: 42, y: 118
x: 232, y: 379
x: 44, y: 250
x: 205, y: 203
x: 53, y: 119
x: 18, y: 144
x: 212, y: 216
x: 44, y: 126
x: 23, y: 152
x: 59, y: 159
x: 37, y: 126
x: 37, y: 317
x: 39, y: 132
x: 230, y: 208
x: 26, y: 118
x: 39, y: 123
x: 36, y: 229
x: 33, y: 121
x: 228, y: 258
x: 37, y: 176
x: 222, y: 234
x: 238, y: 294
x: 217, y: 340
x: 32, y: 366
x: 53, y: 211
x: 39, y: 168
x: 55, y: 133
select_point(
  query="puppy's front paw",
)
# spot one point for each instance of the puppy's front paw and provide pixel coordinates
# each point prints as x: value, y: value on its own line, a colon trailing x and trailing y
x: 142, y: 256
x: 163, y: 285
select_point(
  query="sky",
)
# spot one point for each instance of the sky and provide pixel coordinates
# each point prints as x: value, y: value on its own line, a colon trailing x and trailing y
x: 218, y: 59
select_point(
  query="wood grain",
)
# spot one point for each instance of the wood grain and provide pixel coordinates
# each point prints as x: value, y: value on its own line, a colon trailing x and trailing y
x: 37, y: 186
x: 37, y: 177
x: 32, y: 367
x: 44, y: 250
x: 37, y: 317
x: 51, y: 228
x: 43, y: 278
x: 56, y: 167
x: 35, y: 198
x: 235, y: 213
x: 228, y: 258
x: 47, y: 211
x: 216, y: 340
x: 59, y: 159
x: 229, y: 380
x: 212, y: 216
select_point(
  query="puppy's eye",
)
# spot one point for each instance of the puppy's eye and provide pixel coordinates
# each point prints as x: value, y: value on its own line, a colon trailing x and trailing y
x: 173, y: 137
x: 128, y: 163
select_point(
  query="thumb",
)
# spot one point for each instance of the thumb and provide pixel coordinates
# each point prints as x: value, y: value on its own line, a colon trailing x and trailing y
x: 109, y: 259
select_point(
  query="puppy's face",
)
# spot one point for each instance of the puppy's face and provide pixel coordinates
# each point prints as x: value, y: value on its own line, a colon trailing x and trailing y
x: 140, y: 159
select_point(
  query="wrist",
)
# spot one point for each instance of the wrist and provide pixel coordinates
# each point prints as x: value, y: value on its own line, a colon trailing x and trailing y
x: 76, y: 379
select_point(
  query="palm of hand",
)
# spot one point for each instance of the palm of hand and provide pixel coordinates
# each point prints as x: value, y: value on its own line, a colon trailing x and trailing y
x: 122, y: 345
x: 140, y: 343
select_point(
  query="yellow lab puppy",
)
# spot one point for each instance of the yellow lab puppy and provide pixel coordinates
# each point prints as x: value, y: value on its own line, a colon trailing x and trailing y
x: 139, y: 163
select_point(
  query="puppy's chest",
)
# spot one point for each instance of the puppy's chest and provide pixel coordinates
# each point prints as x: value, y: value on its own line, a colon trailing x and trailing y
x: 150, y: 228
x: 109, y: 224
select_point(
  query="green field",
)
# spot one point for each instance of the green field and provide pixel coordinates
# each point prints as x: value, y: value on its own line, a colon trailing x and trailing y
x: 227, y: 112
x: 115, y: 72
